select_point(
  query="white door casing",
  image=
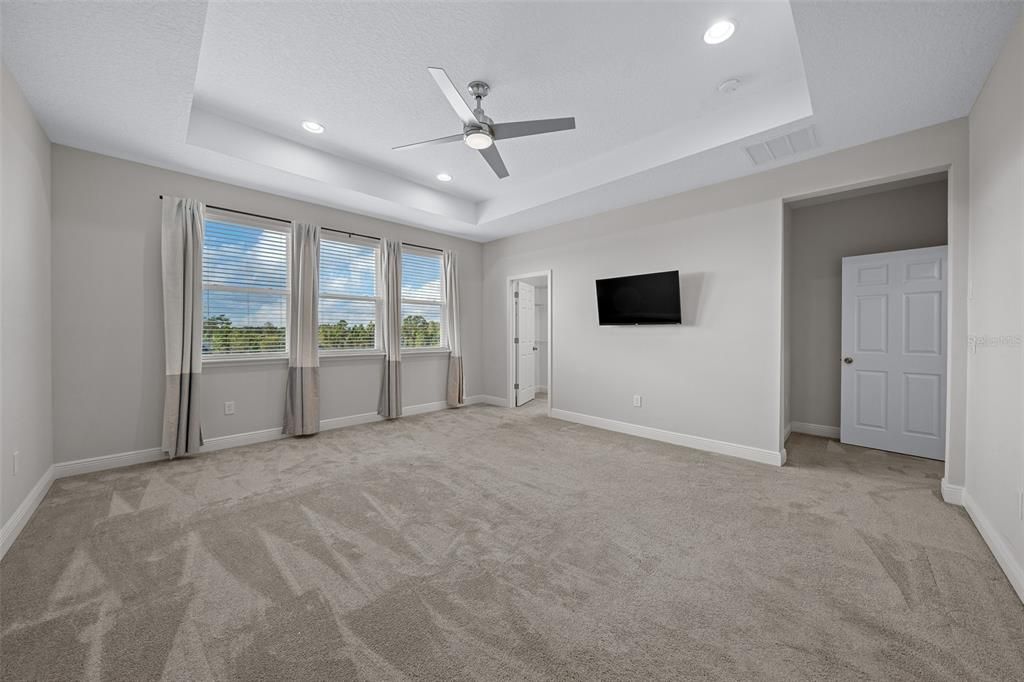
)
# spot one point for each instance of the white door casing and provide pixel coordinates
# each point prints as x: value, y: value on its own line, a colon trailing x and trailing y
x: 893, y: 358
x: 526, y: 346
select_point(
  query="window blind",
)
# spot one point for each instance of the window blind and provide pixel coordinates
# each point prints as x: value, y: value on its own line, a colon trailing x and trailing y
x: 422, y: 299
x: 245, y: 289
x: 349, y: 305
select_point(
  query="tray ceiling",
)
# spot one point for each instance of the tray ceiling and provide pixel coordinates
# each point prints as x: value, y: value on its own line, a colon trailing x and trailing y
x: 220, y: 90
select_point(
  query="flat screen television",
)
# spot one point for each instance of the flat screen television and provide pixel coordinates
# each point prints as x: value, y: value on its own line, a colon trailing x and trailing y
x: 639, y: 299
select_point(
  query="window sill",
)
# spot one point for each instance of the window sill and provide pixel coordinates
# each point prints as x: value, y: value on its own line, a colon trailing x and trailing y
x: 350, y: 354
x: 336, y: 355
x: 274, y: 359
x: 425, y: 351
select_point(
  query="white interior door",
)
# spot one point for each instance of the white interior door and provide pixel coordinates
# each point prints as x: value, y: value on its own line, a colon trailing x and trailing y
x: 526, y: 346
x: 894, y: 351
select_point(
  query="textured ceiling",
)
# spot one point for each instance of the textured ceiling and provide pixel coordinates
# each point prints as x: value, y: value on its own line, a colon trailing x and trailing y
x: 218, y: 90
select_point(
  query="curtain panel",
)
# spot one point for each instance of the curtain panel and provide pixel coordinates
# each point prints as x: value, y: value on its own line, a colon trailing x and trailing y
x: 302, y: 396
x: 390, y: 405
x: 181, y: 252
x: 456, y: 388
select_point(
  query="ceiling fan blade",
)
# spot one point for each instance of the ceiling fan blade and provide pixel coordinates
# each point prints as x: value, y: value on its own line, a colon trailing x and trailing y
x: 503, y: 131
x: 428, y: 143
x: 493, y: 159
x: 451, y: 94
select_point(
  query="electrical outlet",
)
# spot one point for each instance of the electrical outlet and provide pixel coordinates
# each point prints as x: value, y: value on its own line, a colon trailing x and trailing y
x: 14, y: 463
x: 638, y: 401
x: 229, y: 407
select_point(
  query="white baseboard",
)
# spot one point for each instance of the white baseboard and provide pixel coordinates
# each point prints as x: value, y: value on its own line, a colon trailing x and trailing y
x: 239, y: 439
x: 424, y: 408
x: 267, y: 435
x: 1000, y: 548
x: 698, y: 442
x: 353, y: 420
x: 10, y: 530
x: 486, y: 400
x: 120, y: 459
x: 815, y: 429
x: 953, y: 494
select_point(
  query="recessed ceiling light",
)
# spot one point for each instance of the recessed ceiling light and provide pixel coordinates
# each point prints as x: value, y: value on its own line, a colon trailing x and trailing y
x: 313, y: 127
x: 719, y: 32
x: 444, y: 177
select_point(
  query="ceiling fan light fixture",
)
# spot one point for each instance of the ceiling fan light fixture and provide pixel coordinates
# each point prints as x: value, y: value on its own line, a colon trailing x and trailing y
x: 478, y: 139
x: 719, y: 32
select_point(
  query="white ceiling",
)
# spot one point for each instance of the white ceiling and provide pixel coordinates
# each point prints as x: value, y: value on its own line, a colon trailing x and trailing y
x: 218, y: 89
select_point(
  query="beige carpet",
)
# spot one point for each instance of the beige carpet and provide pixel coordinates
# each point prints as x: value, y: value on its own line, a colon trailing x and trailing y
x: 496, y: 544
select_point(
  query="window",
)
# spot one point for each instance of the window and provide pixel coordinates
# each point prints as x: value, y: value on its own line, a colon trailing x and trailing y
x: 422, y: 298
x: 245, y: 287
x: 350, y: 304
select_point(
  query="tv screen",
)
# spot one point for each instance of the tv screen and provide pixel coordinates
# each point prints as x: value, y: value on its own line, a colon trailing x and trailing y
x: 639, y: 299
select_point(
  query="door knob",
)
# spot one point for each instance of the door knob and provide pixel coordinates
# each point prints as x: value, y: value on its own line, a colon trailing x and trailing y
x: 848, y: 360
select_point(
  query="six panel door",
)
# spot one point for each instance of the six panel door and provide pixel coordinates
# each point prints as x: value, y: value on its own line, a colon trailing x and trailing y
x: 893, y: 362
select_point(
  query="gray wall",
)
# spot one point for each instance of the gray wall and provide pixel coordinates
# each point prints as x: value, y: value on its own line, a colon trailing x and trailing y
x: 108, y: 339
x: 715, y: 376
x: 726, y: 366
x: 26, y: 398
x: 995, y: 436
x: 819, y: 237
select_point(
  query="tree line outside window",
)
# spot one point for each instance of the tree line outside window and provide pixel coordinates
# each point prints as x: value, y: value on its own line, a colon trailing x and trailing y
x: 245, y: 293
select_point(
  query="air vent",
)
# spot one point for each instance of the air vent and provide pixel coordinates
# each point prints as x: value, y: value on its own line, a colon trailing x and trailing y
x: 796, y: 142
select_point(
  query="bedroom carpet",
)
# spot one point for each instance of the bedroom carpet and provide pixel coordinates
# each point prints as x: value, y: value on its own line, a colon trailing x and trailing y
x: 491, y: 544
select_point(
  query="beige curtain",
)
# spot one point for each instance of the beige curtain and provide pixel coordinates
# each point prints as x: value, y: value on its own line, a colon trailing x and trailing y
x: 181, y: 251
x: 390, y: 405
x: 302, y: 397
x: 456, y: 391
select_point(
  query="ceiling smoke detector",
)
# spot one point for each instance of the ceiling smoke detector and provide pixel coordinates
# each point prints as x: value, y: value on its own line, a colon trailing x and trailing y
x: 728, y: 87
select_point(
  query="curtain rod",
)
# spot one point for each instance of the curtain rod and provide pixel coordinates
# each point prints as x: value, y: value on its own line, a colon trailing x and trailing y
x: 356, y: 234
x: 329, y: 229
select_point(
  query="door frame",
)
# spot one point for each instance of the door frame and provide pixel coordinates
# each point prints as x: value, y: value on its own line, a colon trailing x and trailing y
x: 957, y: 296
x: 510, y: 348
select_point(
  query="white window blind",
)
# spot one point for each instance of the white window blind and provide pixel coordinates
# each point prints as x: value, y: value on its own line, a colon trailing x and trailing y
x: 422, y: 298
x: 350, y: 304
x: 245, y: 287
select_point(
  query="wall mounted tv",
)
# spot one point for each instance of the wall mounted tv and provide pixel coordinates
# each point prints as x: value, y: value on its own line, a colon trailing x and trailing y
x: 639, y: 299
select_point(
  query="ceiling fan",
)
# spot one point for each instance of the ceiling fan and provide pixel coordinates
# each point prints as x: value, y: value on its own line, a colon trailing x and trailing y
x: 479, y: 132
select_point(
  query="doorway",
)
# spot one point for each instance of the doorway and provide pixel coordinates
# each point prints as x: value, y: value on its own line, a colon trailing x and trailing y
x: 832, y: 386
x: 529, y: 341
